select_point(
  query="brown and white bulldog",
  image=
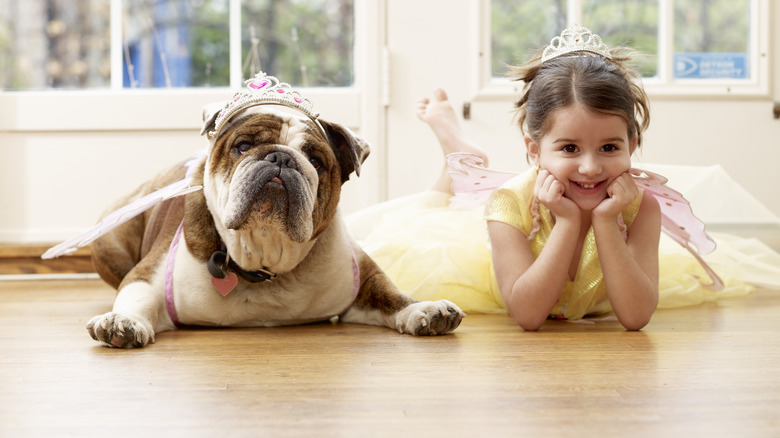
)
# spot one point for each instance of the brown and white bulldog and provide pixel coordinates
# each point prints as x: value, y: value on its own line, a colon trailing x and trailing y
x: 263, y: 243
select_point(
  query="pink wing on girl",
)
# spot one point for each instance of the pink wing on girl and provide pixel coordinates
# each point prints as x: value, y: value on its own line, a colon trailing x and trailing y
x: 678, y: 220
x: 472, y: 184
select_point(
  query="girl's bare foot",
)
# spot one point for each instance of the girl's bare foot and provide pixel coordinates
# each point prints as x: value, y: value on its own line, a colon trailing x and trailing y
x: 439, y: 114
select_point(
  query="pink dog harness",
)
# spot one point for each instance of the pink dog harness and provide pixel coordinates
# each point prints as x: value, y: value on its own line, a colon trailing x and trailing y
x: 171, y: 261
x: 169, y: 264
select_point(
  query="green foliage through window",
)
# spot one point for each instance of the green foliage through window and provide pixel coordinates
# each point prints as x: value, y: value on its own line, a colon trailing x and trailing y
x: 67, y: 44
x: 521, y: 27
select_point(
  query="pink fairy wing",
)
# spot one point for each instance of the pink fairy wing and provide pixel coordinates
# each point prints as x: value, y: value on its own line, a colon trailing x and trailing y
x: 678, y: 220
x: 472, y: 183
x: 129, y: 211
x: 678, y: 217
x: 119, y: 217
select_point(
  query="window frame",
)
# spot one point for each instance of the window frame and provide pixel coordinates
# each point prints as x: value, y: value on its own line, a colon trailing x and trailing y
x: 486, y: 87
x: 123, y: 109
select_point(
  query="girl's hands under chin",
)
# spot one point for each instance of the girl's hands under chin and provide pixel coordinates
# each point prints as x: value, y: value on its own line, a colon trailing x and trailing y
x: 550, y: 191
x: 621, y: 192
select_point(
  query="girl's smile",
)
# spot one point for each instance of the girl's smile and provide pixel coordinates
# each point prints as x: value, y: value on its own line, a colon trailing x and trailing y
x: 587, y: 187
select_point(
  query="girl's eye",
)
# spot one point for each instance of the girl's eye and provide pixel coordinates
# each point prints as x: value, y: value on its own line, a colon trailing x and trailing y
x: 569, y: 148
x: 609, y: 148
x: 243, y: 147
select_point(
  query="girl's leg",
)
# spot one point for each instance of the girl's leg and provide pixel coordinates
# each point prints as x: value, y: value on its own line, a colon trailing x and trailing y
x: 439, y: 114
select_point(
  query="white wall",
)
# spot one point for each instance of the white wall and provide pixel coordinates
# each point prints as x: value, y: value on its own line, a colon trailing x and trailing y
x: 56, y: 184
x: 741, y: 136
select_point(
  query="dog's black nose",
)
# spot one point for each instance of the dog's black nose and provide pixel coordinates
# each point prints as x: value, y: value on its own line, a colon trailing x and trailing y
x: 281, y: 159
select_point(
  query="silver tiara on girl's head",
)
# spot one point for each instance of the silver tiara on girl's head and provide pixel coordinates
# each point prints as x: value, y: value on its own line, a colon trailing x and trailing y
x: 265, y: 90
x: 575, y: 38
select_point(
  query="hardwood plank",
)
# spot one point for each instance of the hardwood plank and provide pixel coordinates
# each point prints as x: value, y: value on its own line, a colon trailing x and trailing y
x: 26, y: 259
x: 32, y: 250
x: 709, y: 370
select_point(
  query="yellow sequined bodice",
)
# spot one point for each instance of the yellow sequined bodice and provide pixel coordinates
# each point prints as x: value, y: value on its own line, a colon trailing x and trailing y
x: 586, y: 293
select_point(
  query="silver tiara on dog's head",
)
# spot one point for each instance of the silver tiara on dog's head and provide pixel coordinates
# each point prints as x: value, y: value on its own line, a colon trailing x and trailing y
x: 575, y: 38
x: 265, y: 90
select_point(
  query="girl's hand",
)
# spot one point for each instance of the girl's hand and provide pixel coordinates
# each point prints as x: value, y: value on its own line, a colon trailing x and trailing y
x: 550, y: 191
x: 620, y: 193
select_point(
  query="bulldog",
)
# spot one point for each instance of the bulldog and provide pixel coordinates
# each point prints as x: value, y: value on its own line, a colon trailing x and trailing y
x: 262, y: 244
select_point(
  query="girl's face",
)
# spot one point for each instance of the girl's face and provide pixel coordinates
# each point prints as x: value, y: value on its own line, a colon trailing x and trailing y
x: 584, y: 150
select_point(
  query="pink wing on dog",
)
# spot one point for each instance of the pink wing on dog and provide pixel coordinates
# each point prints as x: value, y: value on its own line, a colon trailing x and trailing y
x: 129, y: 211
x: 472, y: 184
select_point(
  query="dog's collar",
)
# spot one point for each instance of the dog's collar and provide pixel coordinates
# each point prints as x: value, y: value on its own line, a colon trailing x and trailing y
x: 171, y: 259
x: 220, y: 264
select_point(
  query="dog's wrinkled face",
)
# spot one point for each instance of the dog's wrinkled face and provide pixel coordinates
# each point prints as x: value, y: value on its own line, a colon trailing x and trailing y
x: 272, y: 172
x: 266, y: 170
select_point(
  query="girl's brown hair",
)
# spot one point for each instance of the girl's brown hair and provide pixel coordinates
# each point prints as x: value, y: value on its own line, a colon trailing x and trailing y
x: 602, y: 85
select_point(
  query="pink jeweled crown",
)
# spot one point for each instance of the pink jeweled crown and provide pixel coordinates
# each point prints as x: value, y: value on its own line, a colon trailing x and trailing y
x: 264, y: 90
x: 575, y: 38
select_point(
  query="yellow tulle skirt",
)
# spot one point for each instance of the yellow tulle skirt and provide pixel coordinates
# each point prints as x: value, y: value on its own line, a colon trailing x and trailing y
x: 433, y: 252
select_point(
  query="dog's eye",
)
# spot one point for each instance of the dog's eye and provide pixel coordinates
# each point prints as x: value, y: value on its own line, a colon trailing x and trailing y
x: 316, y: 162
x: 243, y: 147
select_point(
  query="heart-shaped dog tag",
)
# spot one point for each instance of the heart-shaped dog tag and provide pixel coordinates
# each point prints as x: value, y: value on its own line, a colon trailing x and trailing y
x: 225, y: 285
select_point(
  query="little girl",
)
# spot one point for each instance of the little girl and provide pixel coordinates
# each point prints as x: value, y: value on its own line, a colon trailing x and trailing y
x: 573, y: 236
x: 582, y: 114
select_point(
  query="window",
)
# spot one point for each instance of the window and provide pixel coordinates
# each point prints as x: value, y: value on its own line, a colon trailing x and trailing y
x: 686, y: 46
x: 124, y: 64
x: 175, y: 43
x: 311, y: 41
x: 712, y: 39
x: 67, y: 44
x: 57, y: 44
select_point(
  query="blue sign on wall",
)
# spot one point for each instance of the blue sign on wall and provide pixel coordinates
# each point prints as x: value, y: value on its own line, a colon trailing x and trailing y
x: 710, y: 66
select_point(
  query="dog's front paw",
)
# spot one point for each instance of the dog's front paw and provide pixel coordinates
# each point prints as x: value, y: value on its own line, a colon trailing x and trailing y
x: 429, y: 318
x: 117, y: 330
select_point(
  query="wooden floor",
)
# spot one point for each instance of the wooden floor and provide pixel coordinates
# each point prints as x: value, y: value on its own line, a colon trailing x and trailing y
x: 711, y: 370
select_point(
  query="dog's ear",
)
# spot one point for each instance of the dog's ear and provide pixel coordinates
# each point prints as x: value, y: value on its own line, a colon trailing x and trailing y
x: 210, y: 113
x: 351, y: 151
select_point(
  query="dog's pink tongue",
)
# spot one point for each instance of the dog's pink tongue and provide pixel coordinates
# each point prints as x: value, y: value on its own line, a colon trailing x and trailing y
x: 277, y: 180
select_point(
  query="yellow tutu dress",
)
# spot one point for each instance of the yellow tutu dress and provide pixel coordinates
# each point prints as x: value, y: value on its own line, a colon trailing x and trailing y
x: 433, y: 251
